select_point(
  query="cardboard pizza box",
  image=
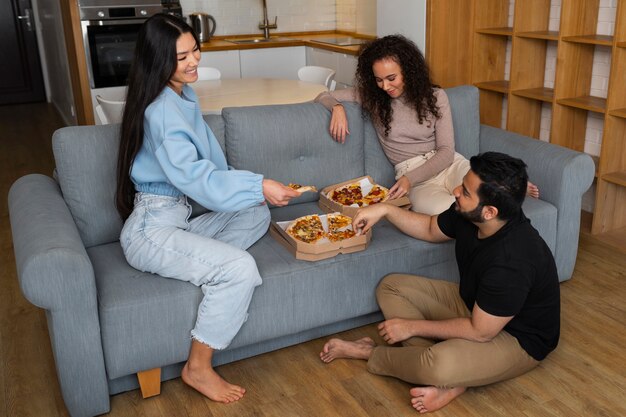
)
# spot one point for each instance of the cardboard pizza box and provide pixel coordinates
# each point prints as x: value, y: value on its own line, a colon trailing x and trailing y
x: 322, y: 249
x: 330, y: 206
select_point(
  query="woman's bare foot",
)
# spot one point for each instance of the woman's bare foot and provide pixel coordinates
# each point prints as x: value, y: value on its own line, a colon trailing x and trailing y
x: 342, y: 349
x: 532, y: 190
x: 209, y: 383
x: 429, y: 399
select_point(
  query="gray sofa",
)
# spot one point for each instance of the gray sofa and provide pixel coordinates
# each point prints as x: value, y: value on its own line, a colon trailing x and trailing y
x: 108, y: 321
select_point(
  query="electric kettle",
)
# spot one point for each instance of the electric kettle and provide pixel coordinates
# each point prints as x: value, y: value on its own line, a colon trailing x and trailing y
x: 200, y: 24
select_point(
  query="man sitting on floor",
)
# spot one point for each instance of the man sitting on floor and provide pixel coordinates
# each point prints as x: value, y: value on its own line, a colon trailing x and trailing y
x: 502, y: 318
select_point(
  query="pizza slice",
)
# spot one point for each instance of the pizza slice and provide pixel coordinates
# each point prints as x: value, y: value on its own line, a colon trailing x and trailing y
x: 376, y: 195
x: 348, y: 195
x: 302, y: 188
x: 308, y: 229
x: 339, y: 227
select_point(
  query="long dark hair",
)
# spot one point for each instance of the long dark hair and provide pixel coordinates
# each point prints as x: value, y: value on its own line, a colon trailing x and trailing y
x: 419, y: 92
x: 154, y: 64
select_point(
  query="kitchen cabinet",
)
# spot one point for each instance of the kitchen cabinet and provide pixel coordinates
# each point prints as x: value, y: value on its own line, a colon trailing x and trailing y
x: 343, y: 64
x: 522, y: 84
x: 272, y: 62
x: 225, y: 61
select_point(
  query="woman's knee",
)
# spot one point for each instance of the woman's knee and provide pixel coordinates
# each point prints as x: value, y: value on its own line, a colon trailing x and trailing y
x: 244, y: 269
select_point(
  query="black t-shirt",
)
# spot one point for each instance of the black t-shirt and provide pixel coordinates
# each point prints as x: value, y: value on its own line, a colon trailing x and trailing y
x: 511, y: 273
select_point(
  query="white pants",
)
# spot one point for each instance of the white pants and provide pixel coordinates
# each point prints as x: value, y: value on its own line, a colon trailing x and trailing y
x: 434, y: 195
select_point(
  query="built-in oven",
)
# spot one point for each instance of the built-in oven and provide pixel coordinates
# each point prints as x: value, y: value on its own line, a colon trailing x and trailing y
x: 109, y: 30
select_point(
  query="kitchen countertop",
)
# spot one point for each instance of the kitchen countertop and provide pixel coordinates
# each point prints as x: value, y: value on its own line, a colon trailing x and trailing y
x: 219, y: 43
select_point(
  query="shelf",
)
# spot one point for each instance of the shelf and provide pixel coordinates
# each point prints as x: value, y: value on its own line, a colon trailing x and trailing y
x: 618, y: 113
x: 500, y: 86
x: 621, y: 44
x: 591, y: 39
x: 502, y: 31
x: 550, y: 35
x: 542, y: 94
x: 595, y: 104
x: 617, y: 178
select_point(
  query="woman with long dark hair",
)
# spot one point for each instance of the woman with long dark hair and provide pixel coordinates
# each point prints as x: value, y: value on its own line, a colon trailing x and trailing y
x: 168, y: 153
x: 412, y: 118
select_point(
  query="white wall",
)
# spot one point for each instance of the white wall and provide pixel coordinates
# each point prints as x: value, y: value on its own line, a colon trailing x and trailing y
x: 406, y: 17
x: 243, y: 16
x: 357, y: 16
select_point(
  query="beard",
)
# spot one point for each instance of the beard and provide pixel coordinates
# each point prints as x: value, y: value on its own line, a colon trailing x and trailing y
x: 474, y: 216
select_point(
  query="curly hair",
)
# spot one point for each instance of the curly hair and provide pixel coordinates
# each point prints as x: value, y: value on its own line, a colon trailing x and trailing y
x: 419, y: 92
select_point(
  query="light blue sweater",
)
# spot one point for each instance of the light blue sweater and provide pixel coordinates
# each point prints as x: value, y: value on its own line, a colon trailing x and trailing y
x: 181, y: 156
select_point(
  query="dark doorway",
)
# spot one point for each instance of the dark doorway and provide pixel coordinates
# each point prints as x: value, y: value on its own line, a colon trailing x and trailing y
x: 21, y: 80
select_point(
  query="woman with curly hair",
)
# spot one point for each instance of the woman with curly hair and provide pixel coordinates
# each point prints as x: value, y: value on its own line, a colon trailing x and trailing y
x: 412, y: 118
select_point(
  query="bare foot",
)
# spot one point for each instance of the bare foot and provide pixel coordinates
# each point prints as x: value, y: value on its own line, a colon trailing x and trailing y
x: 532, y: 190
x: 343, y: 349
x: 429, y: 399
x: 210, y: 384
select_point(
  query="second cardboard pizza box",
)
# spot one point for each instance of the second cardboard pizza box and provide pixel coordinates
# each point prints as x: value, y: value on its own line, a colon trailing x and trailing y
x: 330, y: 206
x: 322, y: 249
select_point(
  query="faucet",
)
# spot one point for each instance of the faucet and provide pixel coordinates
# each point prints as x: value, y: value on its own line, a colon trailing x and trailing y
x: 265, y: 24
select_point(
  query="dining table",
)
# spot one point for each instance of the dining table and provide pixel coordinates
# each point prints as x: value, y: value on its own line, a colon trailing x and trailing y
x: 214, y: 95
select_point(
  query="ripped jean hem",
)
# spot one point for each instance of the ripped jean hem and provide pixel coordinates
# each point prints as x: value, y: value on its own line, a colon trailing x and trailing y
x: 197, y: 338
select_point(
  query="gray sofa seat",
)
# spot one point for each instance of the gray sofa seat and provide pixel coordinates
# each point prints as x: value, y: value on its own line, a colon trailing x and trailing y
x: 108, y: 321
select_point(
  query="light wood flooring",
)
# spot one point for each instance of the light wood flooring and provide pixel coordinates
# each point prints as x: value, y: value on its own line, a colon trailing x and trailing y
x: 585, y: 376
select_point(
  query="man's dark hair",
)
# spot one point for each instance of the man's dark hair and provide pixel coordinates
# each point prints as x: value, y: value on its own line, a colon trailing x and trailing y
x: 504, y: 181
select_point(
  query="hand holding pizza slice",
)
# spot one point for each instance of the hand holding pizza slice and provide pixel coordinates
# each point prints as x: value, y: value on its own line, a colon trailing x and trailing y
x: 302, y: 188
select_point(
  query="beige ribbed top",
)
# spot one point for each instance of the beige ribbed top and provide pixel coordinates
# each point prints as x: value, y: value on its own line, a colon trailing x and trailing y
x: 407, y: 137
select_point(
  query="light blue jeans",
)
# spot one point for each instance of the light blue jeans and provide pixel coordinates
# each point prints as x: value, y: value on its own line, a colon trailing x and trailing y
x: 209, y: 251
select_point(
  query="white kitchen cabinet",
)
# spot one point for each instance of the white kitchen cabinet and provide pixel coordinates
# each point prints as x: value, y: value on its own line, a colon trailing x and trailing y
x: 272, y: 62
x: 343, y: 64
x: 225, y: 61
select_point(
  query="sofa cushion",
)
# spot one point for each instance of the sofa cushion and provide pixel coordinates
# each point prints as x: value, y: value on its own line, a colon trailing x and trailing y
x: 465, y: 119
x: 146, y: 319
x: 306, y: 153
x: 86, y: 159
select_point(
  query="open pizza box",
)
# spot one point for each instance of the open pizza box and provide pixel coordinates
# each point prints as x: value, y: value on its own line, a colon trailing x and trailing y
x: 330, y: 206
x: 321, y: 249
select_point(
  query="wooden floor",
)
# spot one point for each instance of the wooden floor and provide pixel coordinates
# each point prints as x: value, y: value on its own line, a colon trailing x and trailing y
x: 585, y: 376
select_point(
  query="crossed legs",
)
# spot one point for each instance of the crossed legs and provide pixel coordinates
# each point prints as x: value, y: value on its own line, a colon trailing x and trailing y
x: 442, y: 369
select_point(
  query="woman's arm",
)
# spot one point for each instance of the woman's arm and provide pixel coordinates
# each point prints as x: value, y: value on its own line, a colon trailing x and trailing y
x: 338, y: 121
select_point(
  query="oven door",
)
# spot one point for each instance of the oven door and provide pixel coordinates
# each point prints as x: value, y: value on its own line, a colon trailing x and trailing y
x: 110, y: 48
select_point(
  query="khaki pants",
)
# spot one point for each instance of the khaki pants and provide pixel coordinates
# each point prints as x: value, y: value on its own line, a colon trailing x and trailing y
x: 434, y: 195
x: 450, y: 363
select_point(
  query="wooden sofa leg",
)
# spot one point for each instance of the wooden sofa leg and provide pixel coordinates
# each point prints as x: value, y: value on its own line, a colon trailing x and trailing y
x: 150, y: 382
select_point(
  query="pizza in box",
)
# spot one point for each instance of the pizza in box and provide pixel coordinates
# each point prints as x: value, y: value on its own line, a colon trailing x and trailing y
x: 359, y: 194
x: 310, y: 228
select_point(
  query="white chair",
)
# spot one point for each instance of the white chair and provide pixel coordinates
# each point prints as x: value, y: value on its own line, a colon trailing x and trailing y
x: 318, y: 75
x: 110, y: 110
x: 208, y: 73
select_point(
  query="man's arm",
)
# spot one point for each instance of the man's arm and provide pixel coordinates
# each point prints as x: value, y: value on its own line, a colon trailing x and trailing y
x: 417, y: 225
x: 481, y: 327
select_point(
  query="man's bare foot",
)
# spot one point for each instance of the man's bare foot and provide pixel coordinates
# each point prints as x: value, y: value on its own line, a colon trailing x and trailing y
x: 532, y: 190
x: 343, y: 349
x: 429, y: 399
x: 210, y: 384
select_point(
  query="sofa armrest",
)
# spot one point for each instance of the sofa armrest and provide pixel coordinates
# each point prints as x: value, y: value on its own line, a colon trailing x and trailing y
x: 561, y: 174
x: 56, y: 274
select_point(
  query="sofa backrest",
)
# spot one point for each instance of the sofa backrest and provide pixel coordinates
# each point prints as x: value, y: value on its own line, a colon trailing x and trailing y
x: 465, y: 118
x: 291, y: 143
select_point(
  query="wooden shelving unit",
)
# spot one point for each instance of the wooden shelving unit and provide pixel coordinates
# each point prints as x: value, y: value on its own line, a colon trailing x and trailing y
x: 570, y: 101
